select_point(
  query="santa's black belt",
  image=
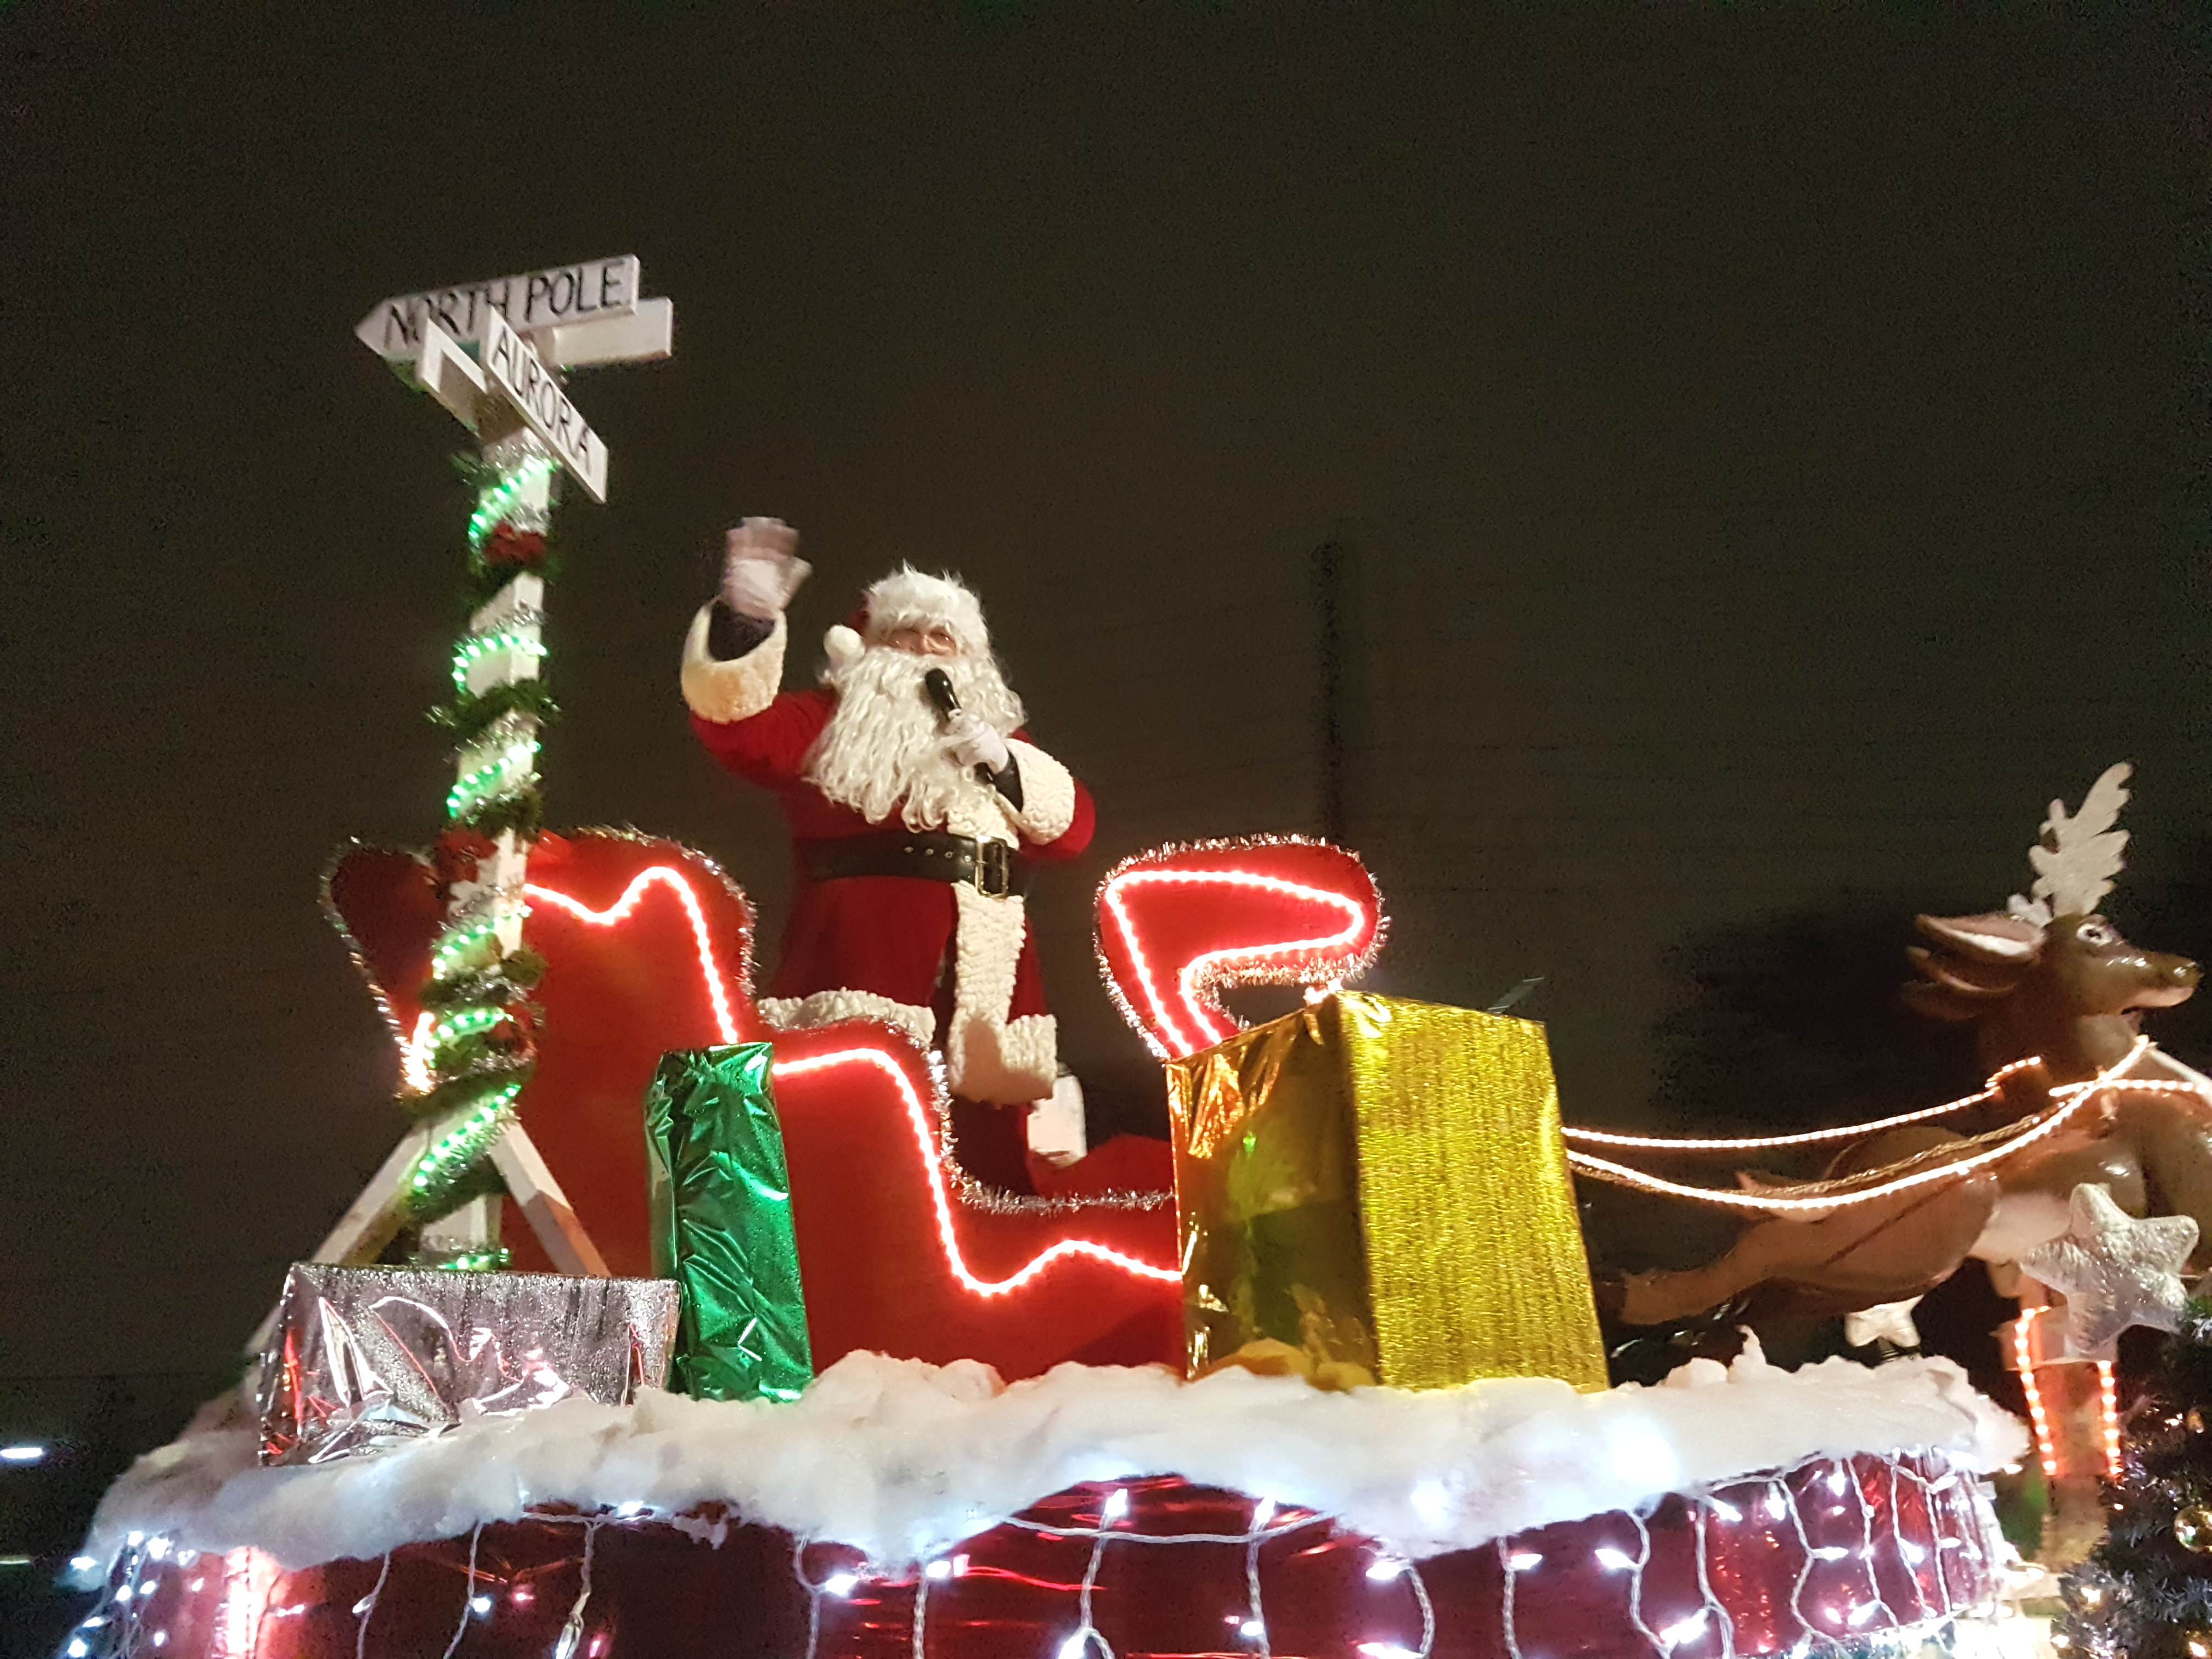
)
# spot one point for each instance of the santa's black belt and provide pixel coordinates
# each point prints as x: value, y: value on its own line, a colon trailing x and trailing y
x: 990, y: 867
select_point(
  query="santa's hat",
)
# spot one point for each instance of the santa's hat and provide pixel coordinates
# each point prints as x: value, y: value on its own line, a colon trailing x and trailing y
x: 911, y: 598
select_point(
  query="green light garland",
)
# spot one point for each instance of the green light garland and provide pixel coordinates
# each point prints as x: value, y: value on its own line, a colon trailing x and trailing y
x: 441, y: 1168
x: 512, y: 772
x: 477, y: 646
x: 457, y: 944
x: 494, y: 1261
x: 500, y: 498
x: 479, y: 1049
x: 465, y: 1022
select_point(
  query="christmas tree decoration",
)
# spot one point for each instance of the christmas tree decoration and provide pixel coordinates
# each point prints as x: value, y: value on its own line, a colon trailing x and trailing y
x: 1379, y: 1187
x: 367, y: 1358
x: 722, y: 1225
x: 2115, y: 1270
x: 2192, y: 1528
x: 2146, y: 1590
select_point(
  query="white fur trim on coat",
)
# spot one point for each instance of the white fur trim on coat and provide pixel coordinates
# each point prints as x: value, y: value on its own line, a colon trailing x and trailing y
x: 1048, y: 794
x: 828, y: 1007
x: 984, y: 1058
x: 1008, y: 1065
x: 736, y: 689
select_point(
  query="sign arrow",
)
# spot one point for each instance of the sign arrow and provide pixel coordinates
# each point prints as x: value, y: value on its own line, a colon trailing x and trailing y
x: 558, y: 297
x: 522, y: 377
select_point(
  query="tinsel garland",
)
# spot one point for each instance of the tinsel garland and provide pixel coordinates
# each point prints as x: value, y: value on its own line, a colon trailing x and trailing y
x: 463, y: 1089
x: 518, y: 973
x: 432, y: 1189
x: 523, y: 811
x: 481, y: 1051
x: 471, y: 714
x: 2144, y: 1593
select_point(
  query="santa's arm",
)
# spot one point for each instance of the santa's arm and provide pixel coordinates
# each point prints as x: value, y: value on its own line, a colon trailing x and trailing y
x: 735, y: 708
x: 1051, y: 810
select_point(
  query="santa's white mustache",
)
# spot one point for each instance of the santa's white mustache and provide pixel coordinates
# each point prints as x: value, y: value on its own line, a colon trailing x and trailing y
x: 884, y: 741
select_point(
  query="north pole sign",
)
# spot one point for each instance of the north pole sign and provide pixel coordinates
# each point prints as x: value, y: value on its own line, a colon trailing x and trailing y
x: 560, y: 296
x: 522, y: 377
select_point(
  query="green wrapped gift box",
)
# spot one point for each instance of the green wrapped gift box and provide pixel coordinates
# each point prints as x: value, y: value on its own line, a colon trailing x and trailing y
x: 722, y: 1225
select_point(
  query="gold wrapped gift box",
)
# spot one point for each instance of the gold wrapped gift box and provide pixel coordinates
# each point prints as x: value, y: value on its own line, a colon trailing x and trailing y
x: 1373, y: 1190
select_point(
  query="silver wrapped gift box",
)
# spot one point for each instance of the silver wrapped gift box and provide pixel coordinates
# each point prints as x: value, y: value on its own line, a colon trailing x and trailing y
x: 367, y: 1358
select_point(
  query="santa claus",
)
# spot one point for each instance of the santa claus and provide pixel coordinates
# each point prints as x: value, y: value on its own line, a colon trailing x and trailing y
x: 917, y: 807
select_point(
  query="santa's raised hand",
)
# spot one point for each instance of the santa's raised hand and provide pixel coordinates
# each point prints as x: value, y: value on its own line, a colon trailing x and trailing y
x: 762, y: 569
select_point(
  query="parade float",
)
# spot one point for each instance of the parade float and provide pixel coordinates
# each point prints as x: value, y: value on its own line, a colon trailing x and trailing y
x: 686, y: 1319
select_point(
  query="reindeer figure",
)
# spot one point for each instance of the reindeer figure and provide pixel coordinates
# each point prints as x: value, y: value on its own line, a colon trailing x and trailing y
x: 2056, y: 994
x: 2050, y: 978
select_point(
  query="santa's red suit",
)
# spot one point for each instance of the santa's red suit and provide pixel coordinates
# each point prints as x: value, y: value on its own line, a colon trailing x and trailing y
x: 909, y: 906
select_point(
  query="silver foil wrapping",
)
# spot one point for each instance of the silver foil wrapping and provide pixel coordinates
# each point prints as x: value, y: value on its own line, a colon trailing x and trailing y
x: 367, y: 1358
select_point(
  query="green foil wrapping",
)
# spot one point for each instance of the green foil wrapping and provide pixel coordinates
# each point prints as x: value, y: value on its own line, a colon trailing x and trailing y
x: 722, y: 1225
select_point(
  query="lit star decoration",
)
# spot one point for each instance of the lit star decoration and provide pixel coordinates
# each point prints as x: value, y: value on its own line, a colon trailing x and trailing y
x: 2116, y: 1271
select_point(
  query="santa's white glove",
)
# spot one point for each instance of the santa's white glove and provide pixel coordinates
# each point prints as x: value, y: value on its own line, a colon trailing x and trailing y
x: 760, y: 569
x: 972, y: 742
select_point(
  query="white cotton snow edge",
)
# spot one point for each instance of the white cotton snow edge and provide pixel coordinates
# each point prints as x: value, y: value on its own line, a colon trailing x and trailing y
x: 902, y: 1459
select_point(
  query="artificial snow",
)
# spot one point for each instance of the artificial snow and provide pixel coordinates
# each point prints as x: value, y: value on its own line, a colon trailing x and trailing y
x: 904, y: 1460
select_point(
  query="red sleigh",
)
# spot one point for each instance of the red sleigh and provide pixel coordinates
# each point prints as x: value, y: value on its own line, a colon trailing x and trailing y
x: 648, y: 948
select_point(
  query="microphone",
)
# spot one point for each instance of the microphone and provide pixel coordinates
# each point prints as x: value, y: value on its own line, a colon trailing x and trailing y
x: 943, y: 698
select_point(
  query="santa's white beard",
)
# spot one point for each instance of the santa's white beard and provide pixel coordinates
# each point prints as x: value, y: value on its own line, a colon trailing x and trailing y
x: 882, y: 742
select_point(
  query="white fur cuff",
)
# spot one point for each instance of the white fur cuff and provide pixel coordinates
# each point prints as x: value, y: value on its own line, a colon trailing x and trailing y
x: 1007, y: 1065
x: 918, y: 1024
x: 736, y: 689
x: 1048, y: 794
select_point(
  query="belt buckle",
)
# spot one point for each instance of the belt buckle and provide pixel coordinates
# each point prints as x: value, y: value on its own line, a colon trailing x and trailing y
x: 995, y: 869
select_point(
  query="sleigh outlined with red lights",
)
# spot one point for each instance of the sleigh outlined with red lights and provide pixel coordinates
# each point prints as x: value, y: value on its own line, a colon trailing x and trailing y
x: 648, y: 947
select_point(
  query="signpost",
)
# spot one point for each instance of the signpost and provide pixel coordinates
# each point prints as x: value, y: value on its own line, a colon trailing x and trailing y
x: 472, y: 1053
x: 510, y: 362
x: 593, y: 311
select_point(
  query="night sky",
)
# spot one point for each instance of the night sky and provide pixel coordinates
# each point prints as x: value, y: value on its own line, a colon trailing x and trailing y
x: 1762, y: 456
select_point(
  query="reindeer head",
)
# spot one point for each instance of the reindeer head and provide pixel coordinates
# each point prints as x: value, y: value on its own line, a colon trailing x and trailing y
x: 2049, y: 977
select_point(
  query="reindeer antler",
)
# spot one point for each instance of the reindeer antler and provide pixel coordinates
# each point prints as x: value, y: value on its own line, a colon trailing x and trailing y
x: 2078, y: 856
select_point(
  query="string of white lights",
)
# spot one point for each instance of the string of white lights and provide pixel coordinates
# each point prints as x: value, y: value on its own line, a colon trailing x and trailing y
x: 1990, y: 1091
x: 1952, y: 1509
x: 572, y: 1628
x: 1830, y: 1195
x: 1713, y: 1604
x: 365, y: 1609
x: 1255, y: 1624
x: 468, y: 1594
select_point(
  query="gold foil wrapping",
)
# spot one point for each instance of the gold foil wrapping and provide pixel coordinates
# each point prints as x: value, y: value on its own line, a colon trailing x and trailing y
x: 1376, y: 1190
